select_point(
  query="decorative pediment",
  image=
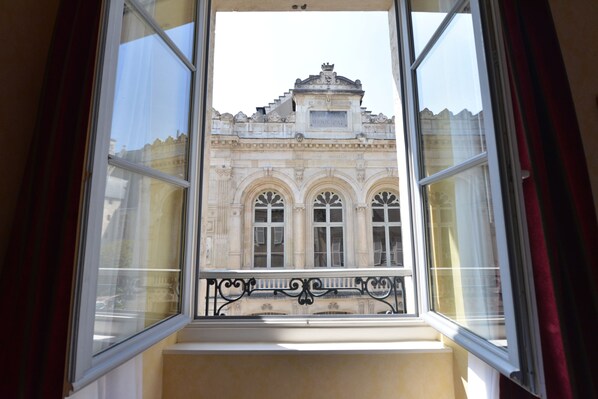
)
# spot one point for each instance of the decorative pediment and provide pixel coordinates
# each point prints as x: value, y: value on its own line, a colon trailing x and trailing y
x: 328, y: 80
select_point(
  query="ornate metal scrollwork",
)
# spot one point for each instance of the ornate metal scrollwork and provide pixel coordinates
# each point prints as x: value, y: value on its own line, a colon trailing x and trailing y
x: 385, y: 289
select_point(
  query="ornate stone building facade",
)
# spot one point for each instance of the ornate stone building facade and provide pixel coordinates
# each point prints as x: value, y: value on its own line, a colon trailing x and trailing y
x: 308, y: 182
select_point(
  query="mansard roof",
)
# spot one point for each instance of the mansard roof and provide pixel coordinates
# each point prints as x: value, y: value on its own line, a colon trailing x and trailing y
x: 328, y: 81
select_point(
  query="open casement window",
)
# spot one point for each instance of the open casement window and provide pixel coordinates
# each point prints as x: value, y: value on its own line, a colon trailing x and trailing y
x: 133, y: 282
x: 471, y: 259
x: 141, y: 232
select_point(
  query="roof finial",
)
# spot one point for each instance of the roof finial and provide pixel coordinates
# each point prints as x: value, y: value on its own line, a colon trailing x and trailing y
x: 327, y: 67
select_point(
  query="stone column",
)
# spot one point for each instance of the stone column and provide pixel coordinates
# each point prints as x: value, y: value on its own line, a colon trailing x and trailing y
x: 360, y: 239
x: 220, y: 248
x: 235, y: 236
x: 299, y: 236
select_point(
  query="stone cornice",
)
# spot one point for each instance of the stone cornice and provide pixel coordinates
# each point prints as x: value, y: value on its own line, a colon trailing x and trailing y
x: 218, y: 141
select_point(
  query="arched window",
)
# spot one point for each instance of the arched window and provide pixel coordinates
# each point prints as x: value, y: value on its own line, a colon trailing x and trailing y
x: 328, y: 230
x: 386, y: 228
x: 268, y: 230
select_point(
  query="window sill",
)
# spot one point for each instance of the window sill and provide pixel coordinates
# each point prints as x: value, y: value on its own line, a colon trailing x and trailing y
x: 273, y: 331
x: 231, y: 348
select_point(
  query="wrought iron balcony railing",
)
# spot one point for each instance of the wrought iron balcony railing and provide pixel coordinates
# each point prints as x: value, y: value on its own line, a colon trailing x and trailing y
x: 223, y: 288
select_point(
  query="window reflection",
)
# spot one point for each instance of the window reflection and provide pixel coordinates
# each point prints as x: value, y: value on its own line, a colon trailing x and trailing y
x: 140, y: 256
x: 150, y: 122
x: 465, y: 279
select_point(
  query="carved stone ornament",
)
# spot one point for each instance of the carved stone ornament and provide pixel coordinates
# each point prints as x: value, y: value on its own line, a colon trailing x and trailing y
x: 380, y: 118
x: 273, y: 117
x: 258, y: 117
x: 227, y: 117
x: 290, y: 117
x: 240, y: 117
x: 299, y: 174
x: 224, y: 172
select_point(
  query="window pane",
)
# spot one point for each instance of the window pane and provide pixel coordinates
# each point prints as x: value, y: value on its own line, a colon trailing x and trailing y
x: 378, y: 215
x: 464, y: 273
x: 140, y: 256
x: 260, y: 247
x: 150, y: 123
x: 176, y: 17
x: 319, y: 215
x: 336, y: 247
x: 261, y: 215
x: 450, y: 101
x: 379, y: 246
x: 394, y: 215
x: 320, y: 247
x: 336, y: 215
x: 396, y: 246
x: 426, y: 16
x: 277, y: 215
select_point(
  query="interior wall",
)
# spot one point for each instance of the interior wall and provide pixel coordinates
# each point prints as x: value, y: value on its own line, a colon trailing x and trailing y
x: 25, y: 45
x: 577, y: 30
x: 300, y: 376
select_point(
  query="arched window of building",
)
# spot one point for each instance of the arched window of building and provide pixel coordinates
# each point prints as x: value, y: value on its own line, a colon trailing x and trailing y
x: 268, y: 230
x: 328, y: 230
x: 386, y: 229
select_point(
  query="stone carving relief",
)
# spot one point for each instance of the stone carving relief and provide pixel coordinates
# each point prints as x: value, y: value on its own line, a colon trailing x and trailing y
x: 240, y: 117
x: 273, y: 117
x: 290, y: 117
x: 258, y: 117
x: 299, y: 174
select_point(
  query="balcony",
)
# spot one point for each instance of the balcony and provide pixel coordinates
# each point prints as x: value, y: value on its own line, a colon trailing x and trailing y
x: 303, y: 292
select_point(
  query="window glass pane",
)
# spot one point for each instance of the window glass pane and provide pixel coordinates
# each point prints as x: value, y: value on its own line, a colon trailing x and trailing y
x: 277, y: 247
x: 277, y: 215
x: 319, y: 215
x: 150, y: 123
x: 396, y: 246
x: 379, y: 246
x: 378, y: 215
x: 426, y: 16
x: 464, y: 271
x: 140, y: 256
x: 176, y: 17
x: 260, y: 215
x: 450, y: 101
x: 394, y: 215
x: 336, y: 215
x: 260, y: 247
x: 336, y: 246
x: 320, y: 247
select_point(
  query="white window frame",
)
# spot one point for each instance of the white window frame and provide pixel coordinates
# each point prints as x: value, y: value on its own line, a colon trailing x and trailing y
x: 84, y: 366
x: 522, y: 360
x: 523, y: 365
x: 328, y: 225
x: 270, y: 229
x: 386, y: 224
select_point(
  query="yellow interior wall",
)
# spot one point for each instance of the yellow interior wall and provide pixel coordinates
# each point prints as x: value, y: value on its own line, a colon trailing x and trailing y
x: 153, y: 366
x: 460, y: 363
x: 405, y: 376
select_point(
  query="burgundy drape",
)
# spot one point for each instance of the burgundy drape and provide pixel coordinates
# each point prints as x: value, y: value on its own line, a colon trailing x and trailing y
x: 37, y: 277
x: 559, y: 204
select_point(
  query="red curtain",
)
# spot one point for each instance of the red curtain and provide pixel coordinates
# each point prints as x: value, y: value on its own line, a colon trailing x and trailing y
x: 559, y: 204
x: 37, y: 278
